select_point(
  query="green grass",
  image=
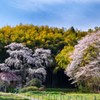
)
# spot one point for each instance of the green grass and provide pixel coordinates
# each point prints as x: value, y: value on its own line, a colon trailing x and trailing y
x: 51, y: 94
x: 62, y: 94
x: 11, y: 96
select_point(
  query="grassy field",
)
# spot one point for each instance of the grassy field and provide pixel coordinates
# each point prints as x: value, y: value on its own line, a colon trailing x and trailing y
x: 58, y: 95
x: 50, y: 94
x: 11, y: 96
x: 67, y: 97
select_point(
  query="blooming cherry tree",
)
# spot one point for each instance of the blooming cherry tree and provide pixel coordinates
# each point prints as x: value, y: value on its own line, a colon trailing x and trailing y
x: 84, y: 68
x: 24, y: 63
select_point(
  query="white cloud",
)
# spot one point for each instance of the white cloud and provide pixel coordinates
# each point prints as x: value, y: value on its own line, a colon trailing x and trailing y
x: 34, y: 5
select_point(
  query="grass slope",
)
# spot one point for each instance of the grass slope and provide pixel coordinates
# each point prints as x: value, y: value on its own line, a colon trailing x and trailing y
x: 50, y: 94
x: 62, y: 94
x: 11, y: 96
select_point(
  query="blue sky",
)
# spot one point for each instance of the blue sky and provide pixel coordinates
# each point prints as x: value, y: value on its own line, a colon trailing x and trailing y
x: 81, y: 14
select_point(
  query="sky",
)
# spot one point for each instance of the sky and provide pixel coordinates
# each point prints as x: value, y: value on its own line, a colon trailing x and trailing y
x: 81, y: 14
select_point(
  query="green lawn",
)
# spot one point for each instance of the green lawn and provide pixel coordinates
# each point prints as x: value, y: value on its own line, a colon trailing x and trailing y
x: 11, y: 96
x: 62, y: 94
x: 50, y: 94
x: 66, y: 96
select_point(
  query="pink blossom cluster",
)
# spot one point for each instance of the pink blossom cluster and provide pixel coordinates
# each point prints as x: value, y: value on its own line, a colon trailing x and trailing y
x: 90, y: 71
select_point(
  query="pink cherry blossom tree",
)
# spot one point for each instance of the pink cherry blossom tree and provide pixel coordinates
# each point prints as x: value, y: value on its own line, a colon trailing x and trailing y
x: 84, y: 68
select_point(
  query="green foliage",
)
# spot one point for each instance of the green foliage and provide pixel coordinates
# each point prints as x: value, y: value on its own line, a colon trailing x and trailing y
x: 27, y: 89
x: 62, y: 58
x: 34, y: 82
x: 82, y: 88
x: 89, y: 54
x: 53, y: 38
x: 11, y: 89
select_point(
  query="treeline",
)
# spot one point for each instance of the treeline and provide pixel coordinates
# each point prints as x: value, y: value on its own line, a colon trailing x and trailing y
x: 59, y: 40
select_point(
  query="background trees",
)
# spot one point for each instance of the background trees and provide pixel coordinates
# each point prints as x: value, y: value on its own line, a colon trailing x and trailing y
x: 52, y: 38
x: 59, y: 40
x: 84, y: 68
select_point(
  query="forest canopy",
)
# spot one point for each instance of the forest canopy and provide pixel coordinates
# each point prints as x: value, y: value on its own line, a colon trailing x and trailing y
x: 58, y: 40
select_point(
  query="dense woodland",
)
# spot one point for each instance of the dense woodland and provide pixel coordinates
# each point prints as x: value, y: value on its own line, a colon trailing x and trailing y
x: 60, y: 41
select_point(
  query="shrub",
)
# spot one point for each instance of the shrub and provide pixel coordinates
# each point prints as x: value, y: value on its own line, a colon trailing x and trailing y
x: 27, y: 89
x: 34, y: 82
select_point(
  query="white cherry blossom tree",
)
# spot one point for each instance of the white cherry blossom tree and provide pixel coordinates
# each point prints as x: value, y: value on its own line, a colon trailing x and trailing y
x: 84, y: 69
x: 24, y: 63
